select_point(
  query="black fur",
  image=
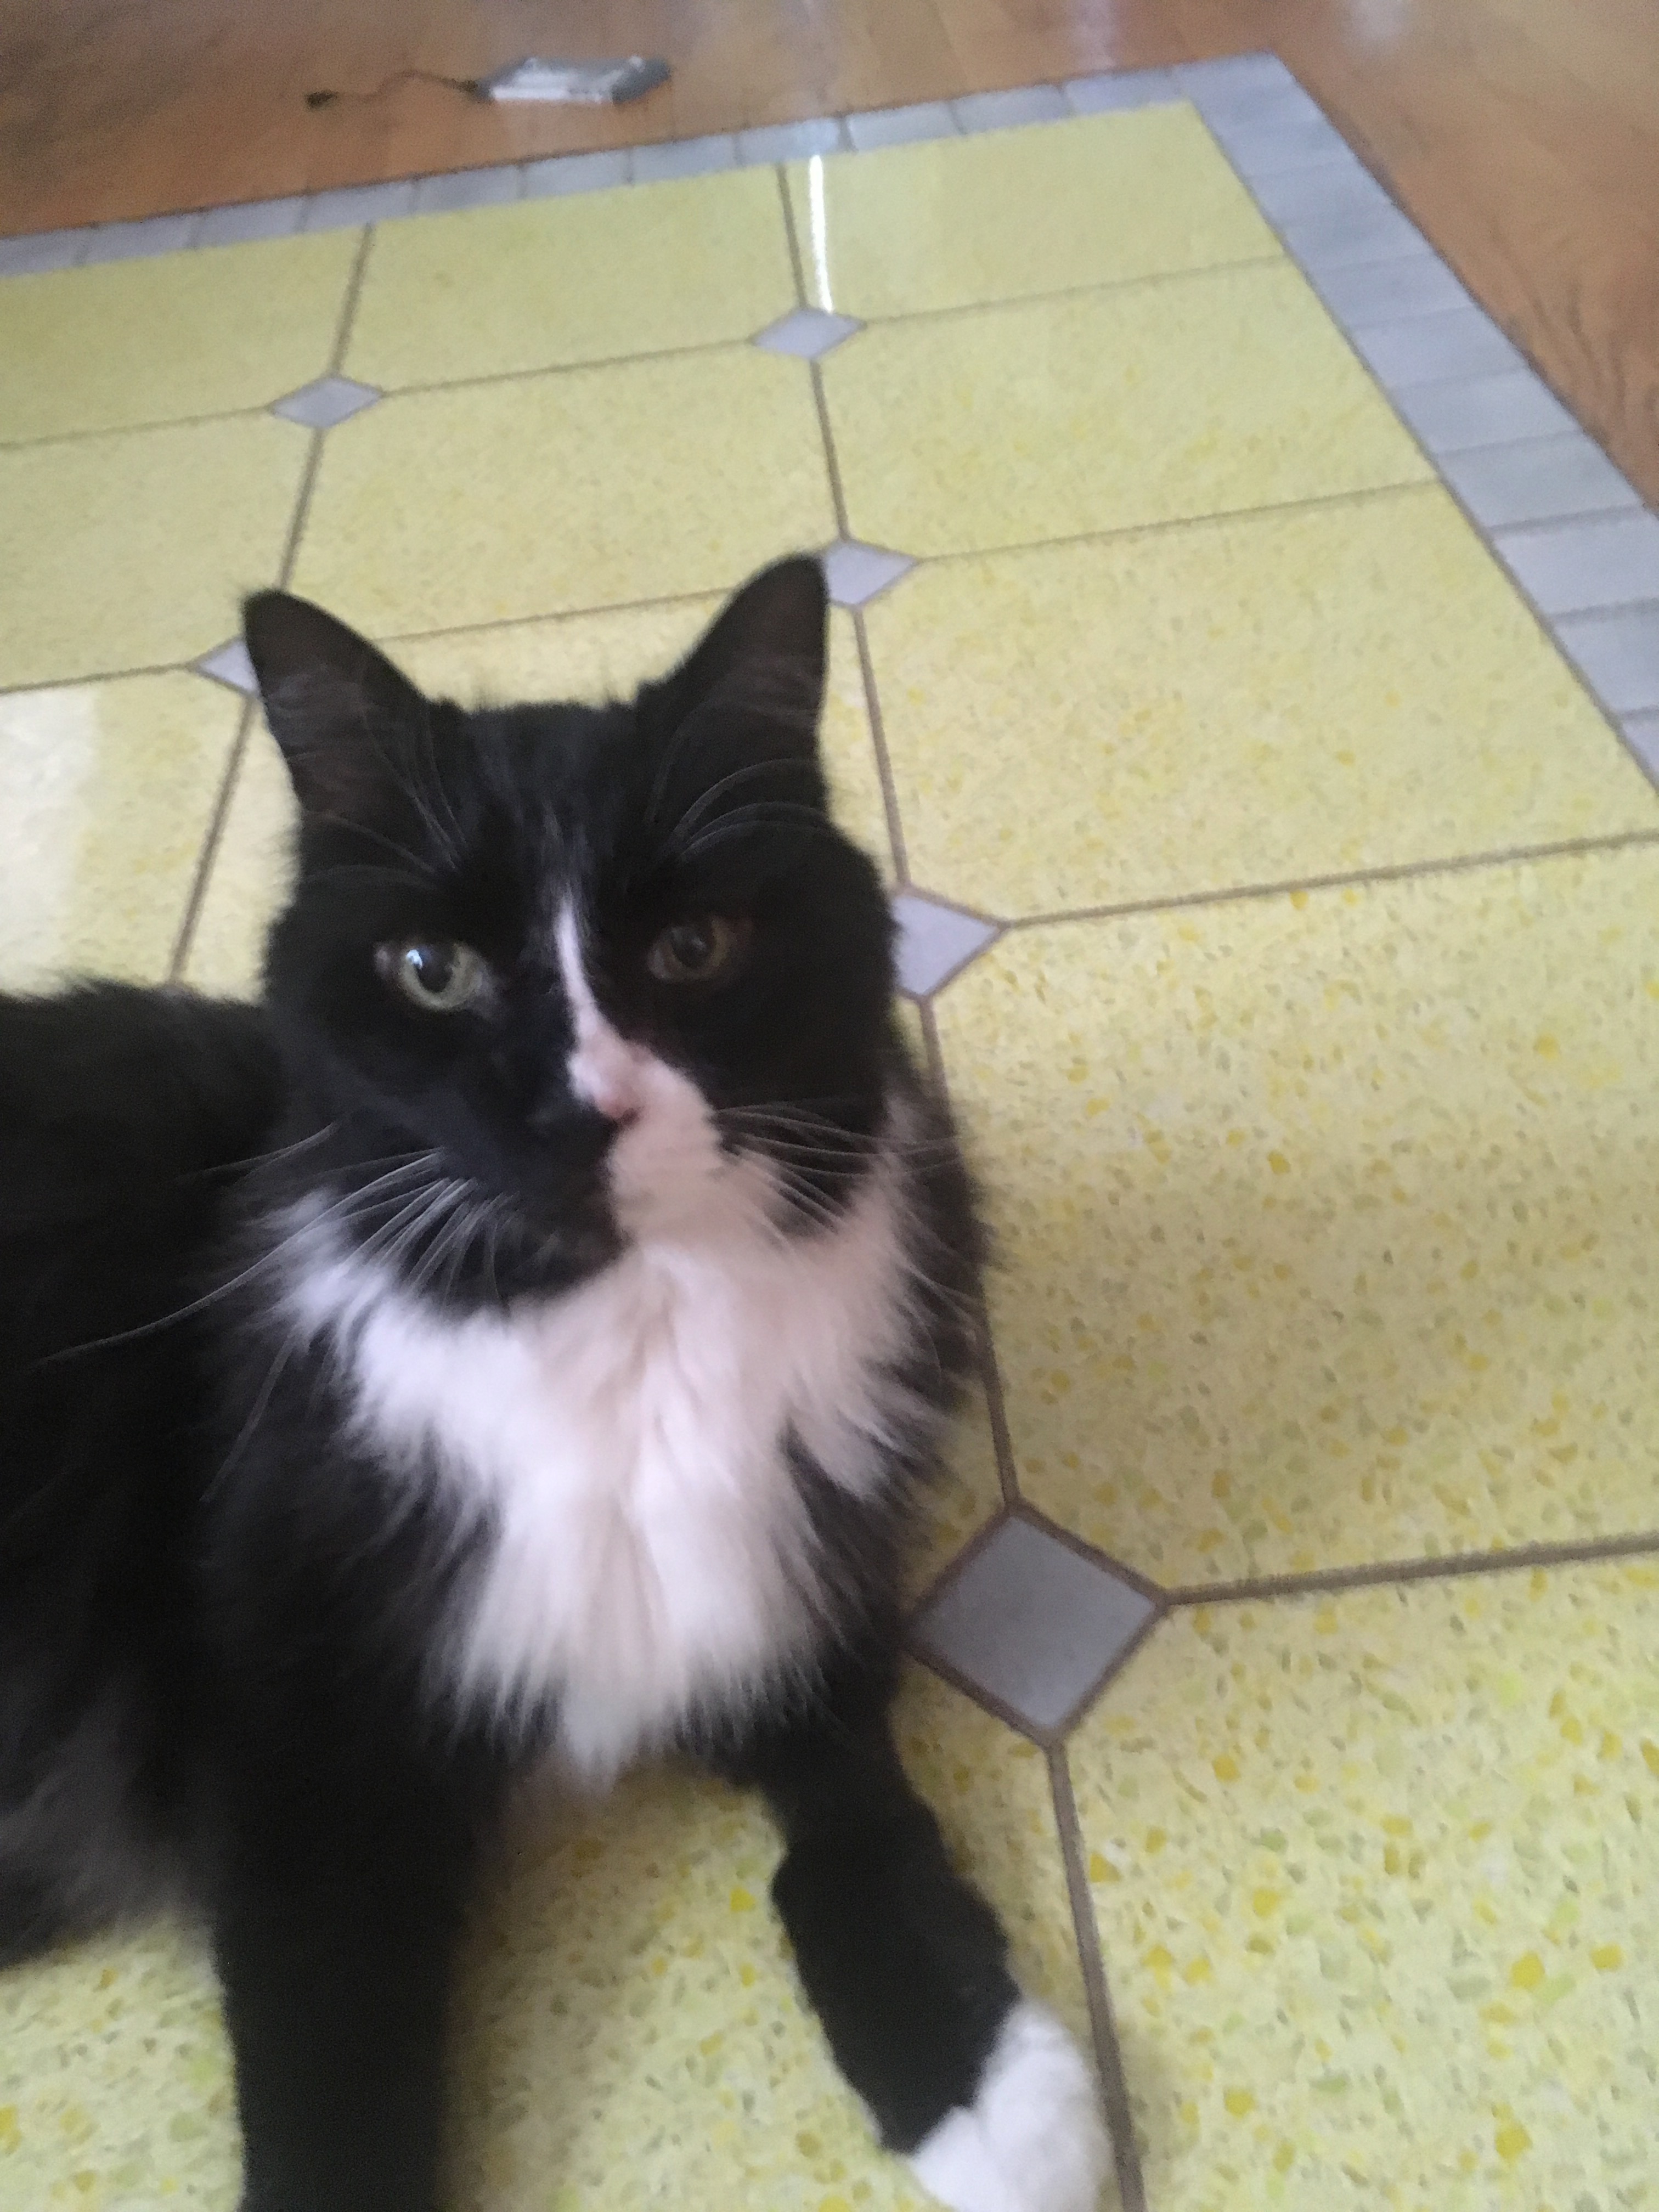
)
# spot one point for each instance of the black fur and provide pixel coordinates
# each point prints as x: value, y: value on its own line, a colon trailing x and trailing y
x: 216, y: 1619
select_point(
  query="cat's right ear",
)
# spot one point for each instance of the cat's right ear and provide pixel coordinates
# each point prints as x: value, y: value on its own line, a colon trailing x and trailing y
x: 337, y: 706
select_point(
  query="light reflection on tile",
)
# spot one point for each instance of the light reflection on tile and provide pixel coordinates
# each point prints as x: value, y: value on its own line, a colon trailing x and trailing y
x: 106, y: 793
x: 950, y: 222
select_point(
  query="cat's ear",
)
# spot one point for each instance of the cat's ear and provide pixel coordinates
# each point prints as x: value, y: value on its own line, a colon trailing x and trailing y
x: 763, y: 656
x: 336, y: 705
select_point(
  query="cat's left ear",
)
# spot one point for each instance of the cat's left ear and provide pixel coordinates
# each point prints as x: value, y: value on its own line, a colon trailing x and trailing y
x: 762, y: 658
x: 336, y: 705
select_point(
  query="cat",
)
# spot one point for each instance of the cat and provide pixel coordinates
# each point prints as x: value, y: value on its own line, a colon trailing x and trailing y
x: 520, y: 1340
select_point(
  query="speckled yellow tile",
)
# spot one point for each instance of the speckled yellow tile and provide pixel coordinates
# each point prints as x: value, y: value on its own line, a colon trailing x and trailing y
x: 129, y: 551
x: 115, y: 2087
x: 575, y: 657
x: 181, y: 334
x: 632, y: 2035
x: 1377, y: 1883
x: 590, y: 277
x: 1272, y: 698
x: 1328, y: 1219
x: 105, y: 793
x: 1008, y: 213
x: 585, y: 488
x: 1102, y: 411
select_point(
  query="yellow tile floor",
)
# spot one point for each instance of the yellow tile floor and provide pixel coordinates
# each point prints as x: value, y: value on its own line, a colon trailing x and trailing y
x: 1312, y: 1077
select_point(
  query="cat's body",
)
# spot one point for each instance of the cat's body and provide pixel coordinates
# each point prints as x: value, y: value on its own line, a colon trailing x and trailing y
x: 566, y: 1325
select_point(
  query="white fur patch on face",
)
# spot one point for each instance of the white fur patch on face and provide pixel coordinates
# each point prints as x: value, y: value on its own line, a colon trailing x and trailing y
x: 625, y: 1444
x: 669, y: 1172
x: 1033, y: 2139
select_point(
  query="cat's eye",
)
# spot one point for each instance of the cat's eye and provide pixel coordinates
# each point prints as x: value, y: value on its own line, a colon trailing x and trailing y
x: 697, y: 950
x: 435, y: 974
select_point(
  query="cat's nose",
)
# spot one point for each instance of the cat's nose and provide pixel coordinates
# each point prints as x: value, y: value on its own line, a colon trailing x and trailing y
x: 578, y: 1136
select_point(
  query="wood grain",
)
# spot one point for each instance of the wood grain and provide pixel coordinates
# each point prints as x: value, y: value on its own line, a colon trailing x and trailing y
x: 1521, y: 134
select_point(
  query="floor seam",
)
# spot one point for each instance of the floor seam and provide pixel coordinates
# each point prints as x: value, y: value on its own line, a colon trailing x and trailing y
x: 209, y: 852
x: 1616, y: 840
x: 1519, y: 1558
x: 1108, y: 2052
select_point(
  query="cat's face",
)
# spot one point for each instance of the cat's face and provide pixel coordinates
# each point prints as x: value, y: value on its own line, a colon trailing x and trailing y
x: 578, y: 976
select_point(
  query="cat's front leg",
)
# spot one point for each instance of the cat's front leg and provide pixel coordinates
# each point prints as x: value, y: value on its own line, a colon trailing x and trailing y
x: 336, y: 1966
x: 906, y: 1966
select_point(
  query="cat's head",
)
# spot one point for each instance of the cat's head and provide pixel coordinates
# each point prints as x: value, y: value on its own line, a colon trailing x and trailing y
x: 598, y: 973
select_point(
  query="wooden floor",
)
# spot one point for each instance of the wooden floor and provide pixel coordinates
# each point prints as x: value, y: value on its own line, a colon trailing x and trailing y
x: 1521, y: 134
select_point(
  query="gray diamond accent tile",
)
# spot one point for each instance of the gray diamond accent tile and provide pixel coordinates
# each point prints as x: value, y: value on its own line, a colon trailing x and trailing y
x: 934, y: 941
x: 1619, y: 655
x: 1116, y: 91
x: 1540, y: 480
x: 1574, y: 568
x: 228, y: 664
x: 808, y: 333
x: 1642, y: 735
x: 1032, y: 1623
x: 856, y: 572
x: 329, y: 400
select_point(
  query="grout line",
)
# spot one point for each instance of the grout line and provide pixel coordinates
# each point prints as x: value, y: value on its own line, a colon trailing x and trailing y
x: 884, y: 759
x: 1520, y: 1557
x: 211, y: 843
x: 1115, y: 1666
x: 1109, y: 2050
x: 209, y: 848
x: 348, y: 303
x: 990, y: 1371
x: 133, y: 429
x: 1567, y: 848
x: 102, y: 676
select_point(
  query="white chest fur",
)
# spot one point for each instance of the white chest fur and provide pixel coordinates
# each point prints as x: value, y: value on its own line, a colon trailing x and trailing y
x: 622, y: 1447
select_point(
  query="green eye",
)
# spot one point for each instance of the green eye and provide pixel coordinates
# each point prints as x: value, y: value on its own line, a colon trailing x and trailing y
x: 436, y: 974
x: 696, y: 951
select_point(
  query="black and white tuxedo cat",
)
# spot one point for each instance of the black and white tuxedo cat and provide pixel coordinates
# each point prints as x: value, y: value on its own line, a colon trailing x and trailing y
x: 521, y: 1339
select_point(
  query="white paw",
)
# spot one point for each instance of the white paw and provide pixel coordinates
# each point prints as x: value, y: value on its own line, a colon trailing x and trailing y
x: 1033, y: 2139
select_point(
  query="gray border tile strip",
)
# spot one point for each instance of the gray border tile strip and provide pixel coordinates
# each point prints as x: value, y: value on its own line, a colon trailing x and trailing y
x: 1552, y: 507
x: 1571, y: 532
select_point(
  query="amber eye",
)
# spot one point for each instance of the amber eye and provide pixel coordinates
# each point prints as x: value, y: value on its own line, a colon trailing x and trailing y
x: 696, y: 951
x: 436, y: 974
